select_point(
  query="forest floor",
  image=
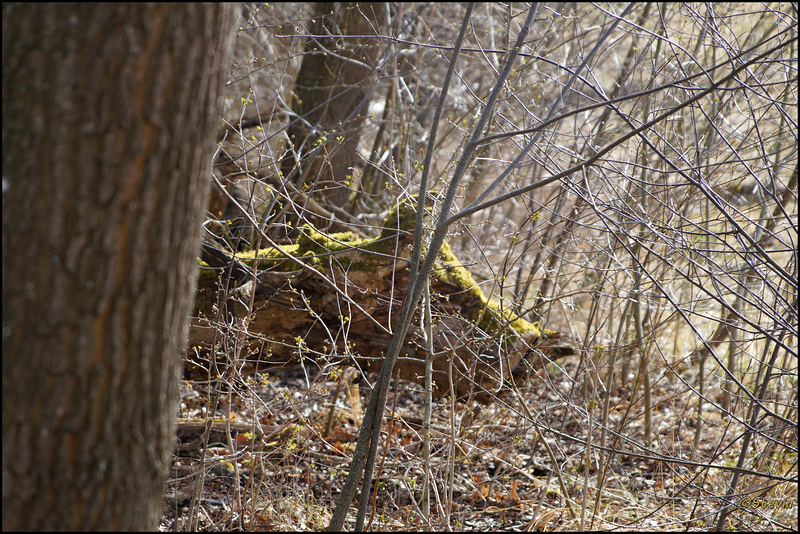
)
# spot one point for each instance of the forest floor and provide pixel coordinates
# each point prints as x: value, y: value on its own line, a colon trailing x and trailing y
x: 273, y: 457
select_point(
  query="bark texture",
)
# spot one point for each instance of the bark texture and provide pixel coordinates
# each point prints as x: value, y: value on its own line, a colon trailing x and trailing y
x: 332, y: 94
x: 107, y: 137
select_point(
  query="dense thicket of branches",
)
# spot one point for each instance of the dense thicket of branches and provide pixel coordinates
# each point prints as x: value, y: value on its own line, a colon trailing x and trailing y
x: 634, y: 184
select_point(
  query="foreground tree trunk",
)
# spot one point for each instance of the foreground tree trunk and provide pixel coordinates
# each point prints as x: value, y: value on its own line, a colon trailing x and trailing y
x: 107, y: 125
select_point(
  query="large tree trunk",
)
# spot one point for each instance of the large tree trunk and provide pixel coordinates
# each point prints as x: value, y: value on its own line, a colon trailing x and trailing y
x: 298, y: 314
x: 107, y: 131
x: 332, y: 95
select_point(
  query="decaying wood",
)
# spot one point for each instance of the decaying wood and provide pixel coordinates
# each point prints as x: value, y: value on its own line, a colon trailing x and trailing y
x: 297, y: 316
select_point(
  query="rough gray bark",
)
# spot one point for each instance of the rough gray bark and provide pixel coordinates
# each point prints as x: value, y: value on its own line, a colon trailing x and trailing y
x: 107, y: 131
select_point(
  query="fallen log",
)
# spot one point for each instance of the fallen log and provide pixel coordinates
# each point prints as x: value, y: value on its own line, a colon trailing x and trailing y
x: 337, y: 302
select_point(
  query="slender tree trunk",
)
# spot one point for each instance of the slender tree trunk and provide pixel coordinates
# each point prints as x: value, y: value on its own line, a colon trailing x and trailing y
x: 107, y: 125
x: 332, y: 95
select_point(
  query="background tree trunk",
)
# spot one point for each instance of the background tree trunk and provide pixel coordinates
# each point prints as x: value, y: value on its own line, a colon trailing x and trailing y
x: 332, y: 92
x: 107, y: 127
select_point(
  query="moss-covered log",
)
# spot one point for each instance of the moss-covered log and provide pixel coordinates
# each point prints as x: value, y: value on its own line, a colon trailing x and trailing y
x: 297, y: 314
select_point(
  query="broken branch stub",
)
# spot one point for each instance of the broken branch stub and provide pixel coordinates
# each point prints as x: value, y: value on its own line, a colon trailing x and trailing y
x: 298, y: 315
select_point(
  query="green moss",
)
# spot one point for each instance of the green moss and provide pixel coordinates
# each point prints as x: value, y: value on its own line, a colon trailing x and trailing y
x: 352, y: 253
x: 402, y: 217
x: 206, y: 288
x: 314, y: 247
x: 207, y: 274
x: 275, y: 258
x: 311, y: 240
x: 456, y: 274
x: 490, y: 316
